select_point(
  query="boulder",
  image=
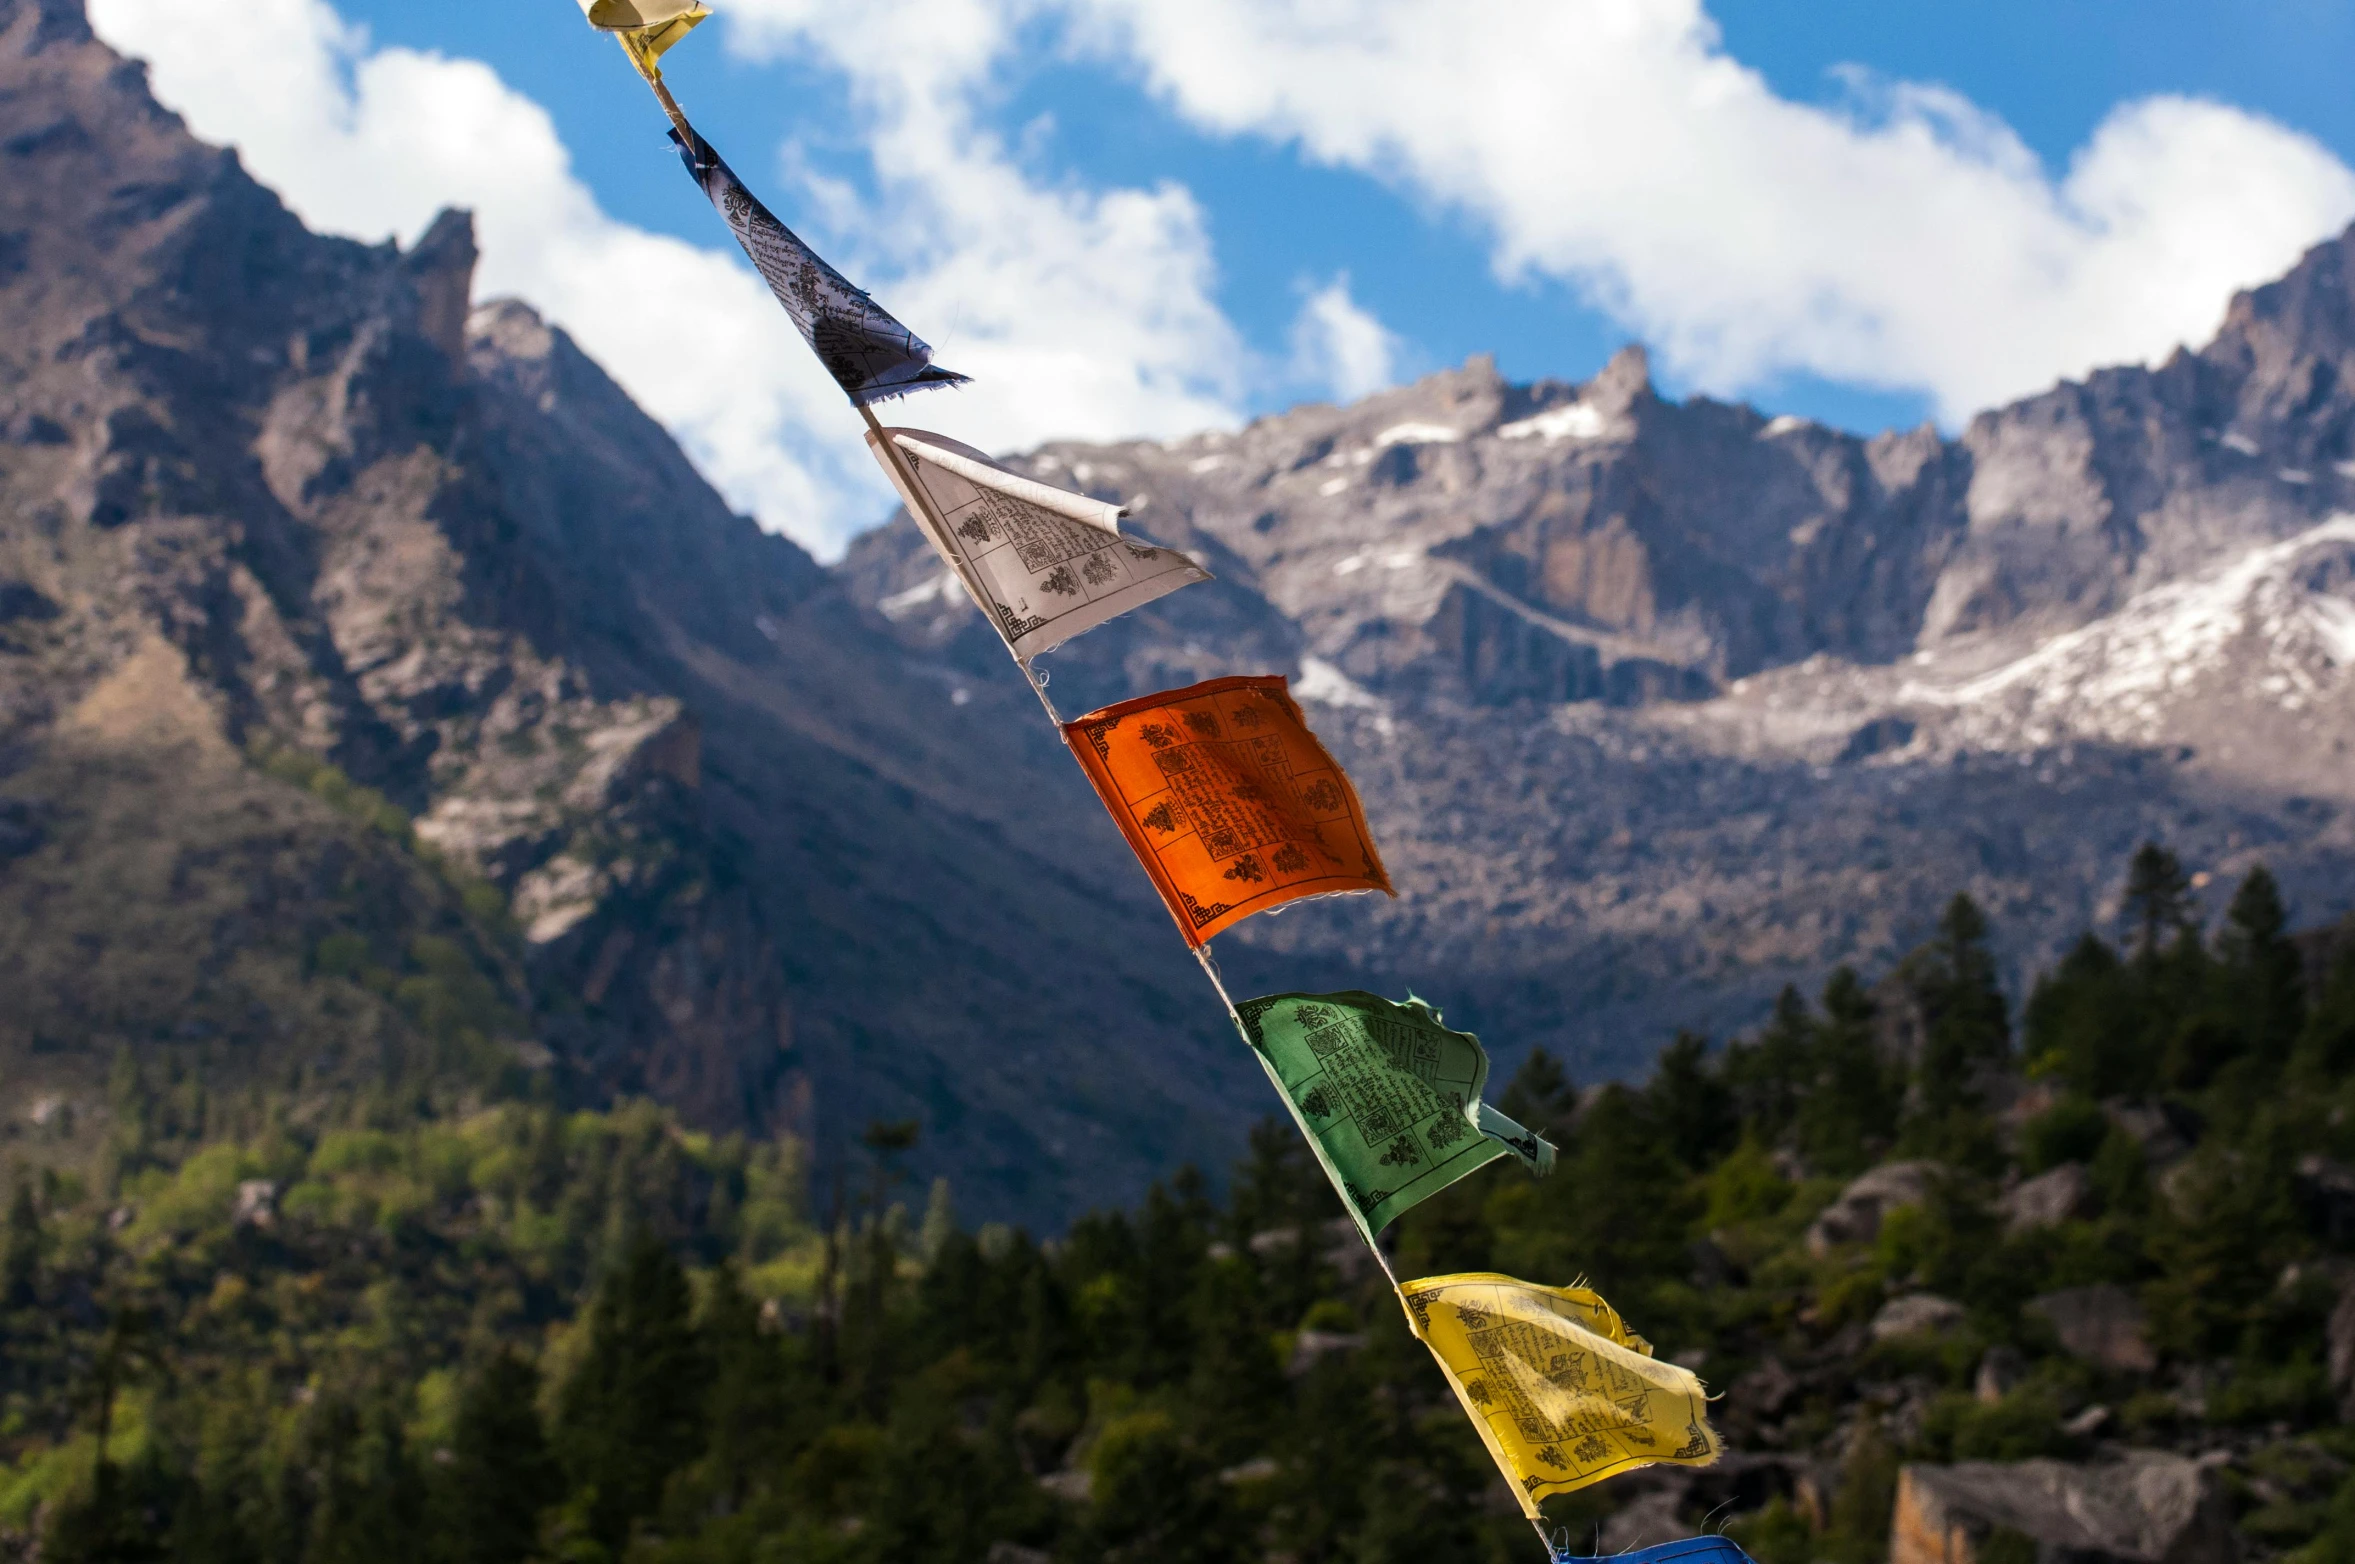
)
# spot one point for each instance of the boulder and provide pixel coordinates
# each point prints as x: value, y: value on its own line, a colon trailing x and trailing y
x: 2000, y: 1373
x: 1646, y: 1519
x: 2103, y: 1325
x: 257, y: 1204
x: 2165, y: 1132
x: 1312, y: 1347
x: 1764, y: 1391
x: 1855, y: 1218
x: 2061, y: 1194
x: 2326, y: 1189
x: 1916, y: 1314
x: 2339, y: 1339
x: 2148, y: 1508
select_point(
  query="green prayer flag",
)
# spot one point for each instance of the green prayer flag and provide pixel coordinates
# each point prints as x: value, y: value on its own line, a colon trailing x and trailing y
x: 1389, y: 1097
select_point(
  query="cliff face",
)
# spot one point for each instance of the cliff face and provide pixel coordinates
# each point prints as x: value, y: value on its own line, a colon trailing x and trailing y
x: 332, y: 608
x: 1658, y: 705
x: 383, y: 698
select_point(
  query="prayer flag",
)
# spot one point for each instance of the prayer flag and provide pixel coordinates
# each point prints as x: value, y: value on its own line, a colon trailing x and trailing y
x: 647, y: 28
x: 1390, y: 1096
x: 1688, y: 1550
x: 1042, y: 563
x: 1228, y: 800
x: 622, y: 16
x: 870, y: 355
x: 1563, y: 1393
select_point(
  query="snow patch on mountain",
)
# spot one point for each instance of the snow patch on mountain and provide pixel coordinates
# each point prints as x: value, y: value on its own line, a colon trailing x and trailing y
x: 1577, y: 421
x: 2278, y: 623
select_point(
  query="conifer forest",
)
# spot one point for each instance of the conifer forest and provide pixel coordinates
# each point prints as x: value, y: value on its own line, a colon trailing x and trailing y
x: 481, y: 1329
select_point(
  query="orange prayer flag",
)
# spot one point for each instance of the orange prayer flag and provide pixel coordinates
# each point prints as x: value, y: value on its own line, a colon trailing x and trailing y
x: 1228, y: 800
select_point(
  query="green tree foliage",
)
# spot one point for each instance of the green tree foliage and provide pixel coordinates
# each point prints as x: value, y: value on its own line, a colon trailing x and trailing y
x: 633, y: 1411
x: 1969, y: 1021
x: 20, y: 1250
x: 2158, y: 899
x: 529, y: 1335
x: 486, y: 1497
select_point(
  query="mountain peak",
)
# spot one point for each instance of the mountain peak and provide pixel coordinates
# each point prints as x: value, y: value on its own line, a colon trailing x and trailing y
x: 442, y: 266
x: 51, y: 21
x: 1624, y: 381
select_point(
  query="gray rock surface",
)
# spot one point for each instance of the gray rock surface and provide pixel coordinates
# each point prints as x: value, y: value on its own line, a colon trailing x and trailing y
x: 2339, y: 1348
x: 1855, y: 1218
x: 1655, y: 706
x: 2052, y: 1197
x: 2103, y: 1325
x: 1915, y: 1314
x: 2148, y: 1507
x: 327, y: 596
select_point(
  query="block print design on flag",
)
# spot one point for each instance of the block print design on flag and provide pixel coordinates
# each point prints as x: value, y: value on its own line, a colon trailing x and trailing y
x: 1563, y: 1393
x: 1390, y: 1096
x: 1043, y: 564
x: 1229, y: 801
x: 869, y: 354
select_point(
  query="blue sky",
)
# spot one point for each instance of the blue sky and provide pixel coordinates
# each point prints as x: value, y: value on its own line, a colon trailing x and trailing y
x: 1232, y: 206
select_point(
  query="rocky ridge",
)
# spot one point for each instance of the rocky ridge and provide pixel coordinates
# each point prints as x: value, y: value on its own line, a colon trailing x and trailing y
x: 1660, y: 704
x: 384, y: 694
x: 330, y: 599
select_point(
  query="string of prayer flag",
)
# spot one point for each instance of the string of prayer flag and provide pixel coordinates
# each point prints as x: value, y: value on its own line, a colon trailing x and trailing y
x: 1390, y: 1095
x: 1233, y: 807
x: 1563, y: 1393
x: 1044, y: 564
x: 869, y: 354
x: 1228, y: 800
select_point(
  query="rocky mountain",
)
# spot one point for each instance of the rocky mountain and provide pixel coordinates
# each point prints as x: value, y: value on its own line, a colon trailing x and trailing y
x: 1658, y: 705
x: 386, y: 704
x: 385, y: 698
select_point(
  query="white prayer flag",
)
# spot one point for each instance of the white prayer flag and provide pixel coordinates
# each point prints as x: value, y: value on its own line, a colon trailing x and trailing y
x: 1042, y: 563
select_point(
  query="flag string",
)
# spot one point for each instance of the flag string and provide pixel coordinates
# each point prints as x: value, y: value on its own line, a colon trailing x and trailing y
x: 925, y: 510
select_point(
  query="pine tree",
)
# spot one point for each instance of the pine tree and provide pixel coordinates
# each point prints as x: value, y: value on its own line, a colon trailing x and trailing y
x: 2158, y: 898
x: 1968, y: 1020
x: 1542, y: 1097
x: 1769, y: 1075
x: 1849, y: 1113
x: 748, y: 1414
x: 20, y: 1252
x: 2326, y: 1046
x: 2262, y: 972
x: 632, y: 1414
x: 500, y: 1474
x: 2085, y: 1022
x: 1689, y: 1106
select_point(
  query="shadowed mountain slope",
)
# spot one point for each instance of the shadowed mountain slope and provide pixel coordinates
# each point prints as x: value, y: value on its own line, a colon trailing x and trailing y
x: 329, y: 601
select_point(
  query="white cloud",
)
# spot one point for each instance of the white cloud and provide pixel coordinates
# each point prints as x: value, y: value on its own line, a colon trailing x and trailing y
x: 1903, y: 239
x: 1339, y: 345
x: 1906, y: 240
x: 1085, y: 313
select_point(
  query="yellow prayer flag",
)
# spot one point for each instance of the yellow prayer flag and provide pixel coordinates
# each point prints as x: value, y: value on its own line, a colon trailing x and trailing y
x: 623, y: 16
x: 1563, y: 1393
x: 647, y: 28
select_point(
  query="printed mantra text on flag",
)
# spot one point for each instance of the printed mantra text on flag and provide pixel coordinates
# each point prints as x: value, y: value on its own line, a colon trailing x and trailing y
x: 1228, y: 799
x: 1390, y: 1095
x: 1563, y: 1393
x: 1041, y: 574
x: 869, y: 354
